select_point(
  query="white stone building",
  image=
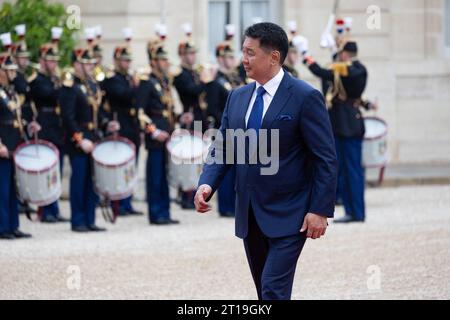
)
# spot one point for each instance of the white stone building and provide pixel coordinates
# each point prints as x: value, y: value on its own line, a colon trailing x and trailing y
x: 408, y: 57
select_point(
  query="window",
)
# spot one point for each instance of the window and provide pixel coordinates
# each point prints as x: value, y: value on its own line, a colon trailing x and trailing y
x: 447, y: 26
x: 241, y: 13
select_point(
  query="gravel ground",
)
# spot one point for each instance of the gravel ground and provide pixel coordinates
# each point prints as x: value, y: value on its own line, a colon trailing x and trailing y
x: 402, y: 252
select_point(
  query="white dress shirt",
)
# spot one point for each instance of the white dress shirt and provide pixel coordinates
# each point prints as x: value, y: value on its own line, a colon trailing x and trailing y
x: 271, y: 88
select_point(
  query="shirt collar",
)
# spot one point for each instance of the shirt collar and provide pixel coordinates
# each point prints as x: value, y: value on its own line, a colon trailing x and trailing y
x: 272, y: 85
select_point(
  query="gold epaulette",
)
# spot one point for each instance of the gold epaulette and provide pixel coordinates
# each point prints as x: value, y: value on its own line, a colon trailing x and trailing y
x: 144, y: 77
x: 110, y: 74
x: 340, y: 68
x: 32, y: 77
x: 67, y: 79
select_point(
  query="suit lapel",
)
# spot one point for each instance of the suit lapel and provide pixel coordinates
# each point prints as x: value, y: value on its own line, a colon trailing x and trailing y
x: 279, y: 101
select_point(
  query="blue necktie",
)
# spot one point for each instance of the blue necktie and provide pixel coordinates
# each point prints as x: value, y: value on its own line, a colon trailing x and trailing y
x: 255, y: 120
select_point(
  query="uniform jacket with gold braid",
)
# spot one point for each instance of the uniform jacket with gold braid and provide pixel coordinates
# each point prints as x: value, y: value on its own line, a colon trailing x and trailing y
x: 192, y: 93
x: 82, y: 114
x: 121, y: 97
x: 22, y: 88
x: 44, y: 92
x: 154, y: 97
x: 12, y: 121
x: 349, y: 82
x: 217, y: 94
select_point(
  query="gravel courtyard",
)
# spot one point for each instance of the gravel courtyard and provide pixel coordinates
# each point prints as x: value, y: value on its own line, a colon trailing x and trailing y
x: 402, y: 252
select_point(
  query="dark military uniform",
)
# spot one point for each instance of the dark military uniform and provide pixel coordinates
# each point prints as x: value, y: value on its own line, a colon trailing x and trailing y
x: 44, y: 92
x: 120, y: 97
x: 155, y: 100
x: 121, y: 100
x: 291, y: 70
x: 12, y: 132
x: 192, y: 94
x: 344, y: 99
x: 217, y: 97
x: 80, y: 102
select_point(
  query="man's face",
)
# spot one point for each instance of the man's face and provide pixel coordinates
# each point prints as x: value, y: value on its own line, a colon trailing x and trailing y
x: 12, y: 74
x: 257, y: 61
x: 124, y: 65
x: 23, y: 62
x: 88, y: 69
x: 190, y: 58
x: 51, y: 66
x: 163, y: 65
x: 344, y: 56
x: 229, y: 62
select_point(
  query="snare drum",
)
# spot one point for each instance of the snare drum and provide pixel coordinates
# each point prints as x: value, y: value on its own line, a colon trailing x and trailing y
x: 186, y: 152
x: 115, y: 175
x: 375, y: 153
x: 37, y: 173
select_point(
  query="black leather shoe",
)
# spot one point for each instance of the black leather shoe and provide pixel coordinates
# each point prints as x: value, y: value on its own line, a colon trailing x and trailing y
x: 135, y: 213
x: 187, y: 205
x: 21, y: 235
x: 227, y: 215
x: 94, y: 228
x: 81, y: 229
x: 49, y: 219
x: 62, y: 219
x: 347, y: 219
x: 7, y: 236
x: 164, y: 222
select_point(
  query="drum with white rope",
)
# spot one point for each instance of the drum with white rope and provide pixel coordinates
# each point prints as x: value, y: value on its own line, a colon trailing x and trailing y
x: 115, y: 175
x: 375, y: 153
x: 38, y: 173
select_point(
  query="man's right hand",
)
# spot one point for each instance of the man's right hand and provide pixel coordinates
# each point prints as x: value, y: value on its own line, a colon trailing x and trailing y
x: 87, y: 146
x: 4, y: 153
x: 203, y: 193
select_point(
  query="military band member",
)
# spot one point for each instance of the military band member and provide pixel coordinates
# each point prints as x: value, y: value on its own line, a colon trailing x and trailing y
x: 344, y: 98
x: 291, y: 61
x: 44, y: 92
x: 13, y: 129
x: 191, y: 85
x: 80, y: 101
x: 155, y: 99
x: 227, y: 78
x: 120, y: 89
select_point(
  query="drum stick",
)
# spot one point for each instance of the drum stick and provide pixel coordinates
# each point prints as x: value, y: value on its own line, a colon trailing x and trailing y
x: 36, y: 143
x: 115, y: 134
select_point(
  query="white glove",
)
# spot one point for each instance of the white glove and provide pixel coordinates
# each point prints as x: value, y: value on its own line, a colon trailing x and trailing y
x: 301, y: 43
x: 4, y: 151
x: 327, y: 41
x: 113, y: 126
x: 87, y: 146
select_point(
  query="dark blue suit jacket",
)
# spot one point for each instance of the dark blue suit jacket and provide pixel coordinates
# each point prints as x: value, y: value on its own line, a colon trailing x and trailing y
x: 306, y: 179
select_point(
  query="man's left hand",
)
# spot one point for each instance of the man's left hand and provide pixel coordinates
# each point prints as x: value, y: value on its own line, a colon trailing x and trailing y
x: 315, y: 225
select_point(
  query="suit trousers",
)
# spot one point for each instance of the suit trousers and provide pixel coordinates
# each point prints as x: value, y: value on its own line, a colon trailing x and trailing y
x: 272, y: 261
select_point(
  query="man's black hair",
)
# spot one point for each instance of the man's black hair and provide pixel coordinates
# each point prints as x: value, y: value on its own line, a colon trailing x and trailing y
x: 271, y: 37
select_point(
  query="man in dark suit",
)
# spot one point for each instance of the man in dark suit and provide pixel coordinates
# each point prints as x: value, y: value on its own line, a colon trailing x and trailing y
x: 275, y: 214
